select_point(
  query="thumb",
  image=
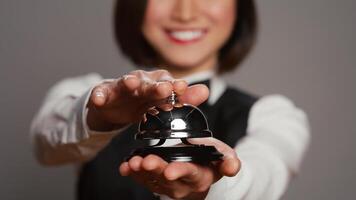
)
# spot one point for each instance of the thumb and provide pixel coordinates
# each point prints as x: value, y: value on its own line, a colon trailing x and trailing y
x: 230, y: 165
x: 195, y: 94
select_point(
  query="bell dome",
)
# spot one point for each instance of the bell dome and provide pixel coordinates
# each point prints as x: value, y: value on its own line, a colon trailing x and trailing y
x: 186, y: 121
x: 183, y: 121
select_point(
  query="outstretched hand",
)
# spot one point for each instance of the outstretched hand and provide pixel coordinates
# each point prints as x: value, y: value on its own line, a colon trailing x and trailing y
x: 182, y: 179
x: 114, y: 104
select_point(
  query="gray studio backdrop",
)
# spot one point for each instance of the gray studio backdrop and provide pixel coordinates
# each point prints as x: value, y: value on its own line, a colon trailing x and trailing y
x: 306, y: 50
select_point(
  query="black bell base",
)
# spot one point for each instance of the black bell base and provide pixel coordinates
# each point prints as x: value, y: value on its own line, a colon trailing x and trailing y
x: 198, y: 153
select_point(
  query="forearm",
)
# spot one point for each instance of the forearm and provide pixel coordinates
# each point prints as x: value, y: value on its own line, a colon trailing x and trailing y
x: 59, y: 131
x: 59, y: 134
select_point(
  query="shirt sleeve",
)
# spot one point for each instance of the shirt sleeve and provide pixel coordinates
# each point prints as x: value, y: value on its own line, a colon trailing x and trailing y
x: 59, y: 131
x: 271, y: 152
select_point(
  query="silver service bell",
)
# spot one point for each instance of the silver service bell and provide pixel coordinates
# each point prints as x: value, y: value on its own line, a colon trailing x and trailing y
x: 179, y: 121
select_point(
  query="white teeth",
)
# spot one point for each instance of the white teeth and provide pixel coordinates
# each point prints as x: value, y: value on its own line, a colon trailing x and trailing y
x: 186, y: 35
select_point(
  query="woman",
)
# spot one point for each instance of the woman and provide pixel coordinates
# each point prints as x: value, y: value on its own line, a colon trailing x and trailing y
x: 91, y: 121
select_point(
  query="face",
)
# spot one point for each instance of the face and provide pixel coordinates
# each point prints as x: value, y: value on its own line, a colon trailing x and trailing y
x: 189, y: 33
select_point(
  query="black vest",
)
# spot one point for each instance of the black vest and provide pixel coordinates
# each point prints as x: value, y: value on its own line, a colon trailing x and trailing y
x: 100, y: 179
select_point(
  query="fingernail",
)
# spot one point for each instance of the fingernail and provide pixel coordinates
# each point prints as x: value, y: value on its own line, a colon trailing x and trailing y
x: 178, y: 80
x: 228, y: 156
x: 158, y: 83
x: 128, y: 76
x: 125, y: 77
x: 99, y: 93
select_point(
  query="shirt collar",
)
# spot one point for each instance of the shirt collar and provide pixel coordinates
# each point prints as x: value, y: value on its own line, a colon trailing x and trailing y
x: 199, y: 76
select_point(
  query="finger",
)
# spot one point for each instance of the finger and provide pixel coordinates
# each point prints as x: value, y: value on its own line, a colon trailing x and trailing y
x: 165, y: 106
x: 177, y: 170
x: 161, y: 75
x: 124, y: 169
x: 128, y: 83
x: 108, y: 92
x: 195, y: 95
x: 155, y: 84
x: 230, y: 165
x: 135, y: 163
x: 100, y: 95
x: 223, y: 148
x: 179, y: 86
x: 152, y: 169
x: 152, y: 91
x: 162, y: 90
x: 179, y: 190
x: 155, y: 95
x: 154, y: 164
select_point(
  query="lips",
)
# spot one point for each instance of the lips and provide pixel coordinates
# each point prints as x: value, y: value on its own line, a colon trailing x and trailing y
x: 186, y: 36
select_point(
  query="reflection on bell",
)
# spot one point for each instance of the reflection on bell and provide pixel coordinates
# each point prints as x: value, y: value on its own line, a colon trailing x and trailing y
x: 179, y: 121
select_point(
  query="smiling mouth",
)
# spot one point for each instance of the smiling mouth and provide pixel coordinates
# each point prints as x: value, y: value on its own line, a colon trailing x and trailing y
x: 186, y: 36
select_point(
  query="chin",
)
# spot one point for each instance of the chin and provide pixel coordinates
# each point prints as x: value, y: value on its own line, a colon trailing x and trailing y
x: 184, y: 64
x: 185, y: 61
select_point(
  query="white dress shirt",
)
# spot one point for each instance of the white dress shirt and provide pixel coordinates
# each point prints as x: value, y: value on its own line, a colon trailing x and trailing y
x: 271, y: 152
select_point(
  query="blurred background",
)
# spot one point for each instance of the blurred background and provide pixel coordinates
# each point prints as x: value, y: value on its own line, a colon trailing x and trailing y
x: 306, y: 51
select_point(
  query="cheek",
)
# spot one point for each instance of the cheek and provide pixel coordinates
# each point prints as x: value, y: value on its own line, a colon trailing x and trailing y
x: 156, y: 12
x: 222, y: 14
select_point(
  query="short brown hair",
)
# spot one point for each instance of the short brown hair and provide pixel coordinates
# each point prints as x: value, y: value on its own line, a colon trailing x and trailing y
x: 128, y: 18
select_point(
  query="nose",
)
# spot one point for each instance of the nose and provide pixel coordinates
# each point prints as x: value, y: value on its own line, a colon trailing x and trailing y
x: 184, y: 10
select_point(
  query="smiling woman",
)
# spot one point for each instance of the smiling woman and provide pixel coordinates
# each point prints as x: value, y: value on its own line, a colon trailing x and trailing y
x: 185, y: 33
x: 92, y: 120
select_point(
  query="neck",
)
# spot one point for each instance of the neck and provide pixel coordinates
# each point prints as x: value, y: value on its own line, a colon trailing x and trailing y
x: 179, y: 72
